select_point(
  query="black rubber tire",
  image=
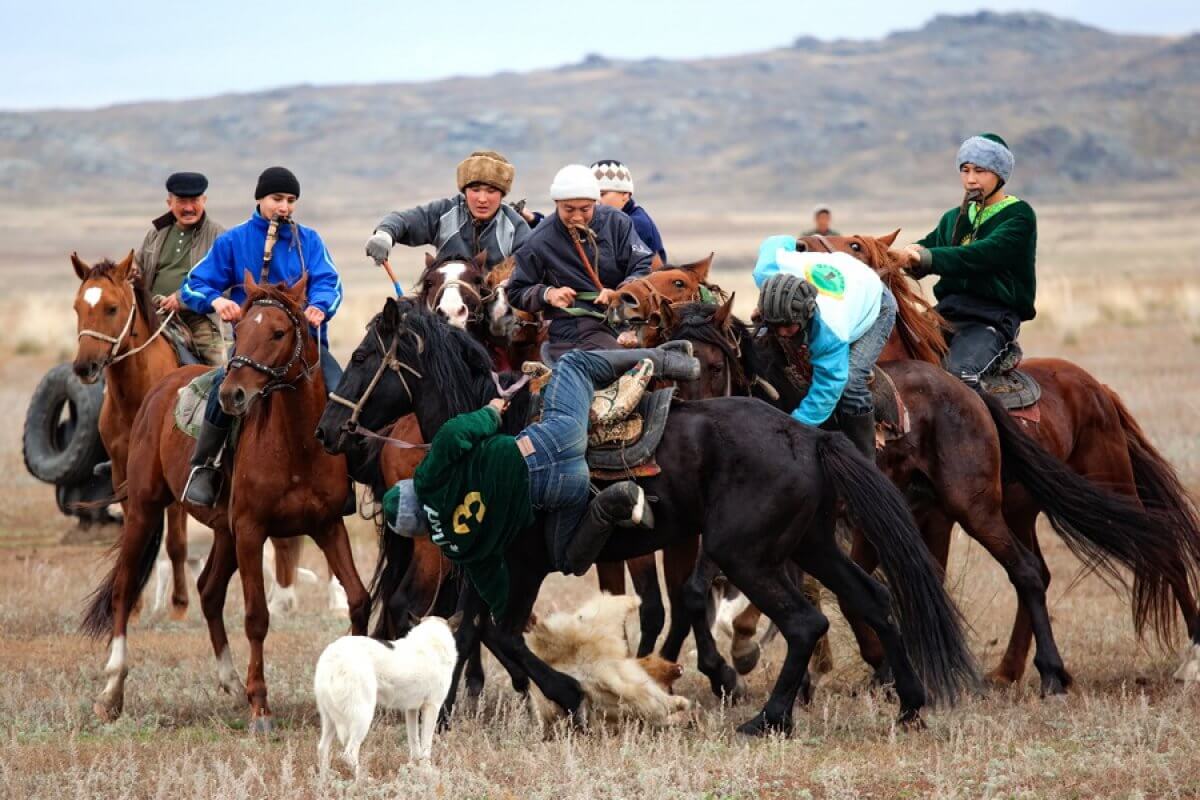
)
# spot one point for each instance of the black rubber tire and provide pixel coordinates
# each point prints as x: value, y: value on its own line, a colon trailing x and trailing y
x: 58, y: 450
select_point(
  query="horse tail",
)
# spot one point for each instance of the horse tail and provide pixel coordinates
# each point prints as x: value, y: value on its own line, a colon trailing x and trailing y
x: 395, y: 555
x: 1102, y: 528
x: 918, y: 324
x: 120, y: 495
x: 98, y: 613
x: 930, y: 623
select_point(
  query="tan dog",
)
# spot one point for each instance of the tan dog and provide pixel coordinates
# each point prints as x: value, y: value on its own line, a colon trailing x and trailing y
x: 591, y: 646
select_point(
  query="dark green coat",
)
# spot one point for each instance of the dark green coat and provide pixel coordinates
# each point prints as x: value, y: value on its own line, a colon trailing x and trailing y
x: 992, y: 261
x: 474, y: 485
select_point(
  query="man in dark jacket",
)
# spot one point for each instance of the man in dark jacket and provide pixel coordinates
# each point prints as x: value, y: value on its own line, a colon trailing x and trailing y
x: 616, y: 190
x: 178, y: 240
x: 575, y: 261
x: 460, y: 227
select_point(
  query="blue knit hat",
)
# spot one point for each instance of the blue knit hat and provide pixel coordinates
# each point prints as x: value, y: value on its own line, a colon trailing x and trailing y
x: 987, y: 151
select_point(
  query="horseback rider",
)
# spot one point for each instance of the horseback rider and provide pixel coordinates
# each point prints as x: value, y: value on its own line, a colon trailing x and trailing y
x: 299, y: 250
x: 822, y: 216
x: 839, y: 309
x: 175, y: 243
x: 477, y: 488
x: 616, y: 190
x: 984, y: 252
x: 462, y: 226
x: 573, y: 264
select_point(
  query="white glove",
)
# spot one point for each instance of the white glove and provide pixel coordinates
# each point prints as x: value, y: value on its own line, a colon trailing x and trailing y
x: 379, y: 246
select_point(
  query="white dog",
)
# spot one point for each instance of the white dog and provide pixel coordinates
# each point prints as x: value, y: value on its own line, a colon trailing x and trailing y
x: 592, y: 646
x: 356, y: 673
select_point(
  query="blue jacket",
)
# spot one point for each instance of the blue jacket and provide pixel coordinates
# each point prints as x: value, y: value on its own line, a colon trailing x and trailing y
x: 240, y: 249
x: 646, y: 229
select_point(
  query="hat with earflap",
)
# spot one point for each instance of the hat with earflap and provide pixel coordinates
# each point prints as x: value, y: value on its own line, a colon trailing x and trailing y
x: 987, y: 151
x: 487, y: 167
x: 402, y: 510
x: 787, y: 299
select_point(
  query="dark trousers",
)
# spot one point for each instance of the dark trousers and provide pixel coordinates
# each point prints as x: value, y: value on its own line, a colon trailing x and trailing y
x: 982, y: 332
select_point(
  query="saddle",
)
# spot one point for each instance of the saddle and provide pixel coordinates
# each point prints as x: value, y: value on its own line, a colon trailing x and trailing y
x: 1015, y: 389
x: 180, y: 338
x: 190, y: 404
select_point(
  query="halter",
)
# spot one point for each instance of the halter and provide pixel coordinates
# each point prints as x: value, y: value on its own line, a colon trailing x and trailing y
x: 277, y: 373
x: 117, y: 341
x: 821, y: 238
x: 392, y: 362
x: 462, y: 286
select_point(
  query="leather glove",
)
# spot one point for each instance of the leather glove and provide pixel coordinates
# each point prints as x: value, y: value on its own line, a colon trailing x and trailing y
x: 379, y: 246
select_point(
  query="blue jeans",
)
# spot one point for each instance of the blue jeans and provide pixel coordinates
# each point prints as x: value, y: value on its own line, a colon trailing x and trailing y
x: 330, y: 369
x: 856, y: 397
x: 559, y: 480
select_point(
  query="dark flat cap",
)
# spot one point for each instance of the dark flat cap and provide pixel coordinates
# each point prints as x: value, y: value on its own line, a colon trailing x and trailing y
x: 187, y: 184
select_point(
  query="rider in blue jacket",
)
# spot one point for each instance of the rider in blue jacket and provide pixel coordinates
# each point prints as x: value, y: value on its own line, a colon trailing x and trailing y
x: 298, y: 250
x: 838, y: 307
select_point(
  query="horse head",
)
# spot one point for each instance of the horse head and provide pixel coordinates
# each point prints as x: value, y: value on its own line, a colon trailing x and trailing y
x: 455, y: 289
x: 720, y: 342
x: 106, y: 310
x: 503, y: 321
x: 273, y: 347
x: 639, y: 299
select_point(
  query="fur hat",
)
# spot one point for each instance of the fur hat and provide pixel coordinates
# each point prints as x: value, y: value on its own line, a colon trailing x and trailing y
x: 486, y: 166
x: 613, y: 176
x: 276, y: 180
x: 575, y: 182
x: 987, y: 151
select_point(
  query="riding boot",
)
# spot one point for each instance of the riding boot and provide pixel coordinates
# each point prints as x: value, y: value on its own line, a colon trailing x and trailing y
x: 860, y: 430
x: 204, y: 483
x: 673, y: 360
x: 623, y: 504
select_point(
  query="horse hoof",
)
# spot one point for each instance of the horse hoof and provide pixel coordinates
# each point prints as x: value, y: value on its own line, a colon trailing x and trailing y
x: 1189, y: 670
x: 1053, y: 686
x: 261, y: 725
x: 178, y: 613
x: 106, y: 712
x: 807, y: 688
x: 761, y: 726
x: 747, y: 661
x: 910, y: 720
x: 999, y: 679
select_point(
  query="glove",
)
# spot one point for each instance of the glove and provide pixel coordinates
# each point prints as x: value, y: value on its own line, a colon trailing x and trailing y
x: 923, y: 265
x: 379, y: 246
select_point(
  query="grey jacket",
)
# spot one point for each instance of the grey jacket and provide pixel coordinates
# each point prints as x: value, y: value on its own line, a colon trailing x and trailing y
x: 146, y: 257
x: 448, y: 226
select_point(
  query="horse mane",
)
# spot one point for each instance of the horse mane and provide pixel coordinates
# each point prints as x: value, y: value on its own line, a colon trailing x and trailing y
x: 694, y: 321
x: 141, y: 295
x: 502, y: 271
x: 920, y: 327
x: 461, y: 367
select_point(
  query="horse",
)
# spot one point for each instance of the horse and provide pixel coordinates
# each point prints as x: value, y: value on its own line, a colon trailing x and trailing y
x: 1085, y: 424
x: 279, y: 482
x: 735, y: 463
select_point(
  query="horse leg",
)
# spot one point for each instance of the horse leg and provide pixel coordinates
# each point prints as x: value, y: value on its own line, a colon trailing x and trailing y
x: 213, y: 586
x: 287, y: 565
x: 868, y: 599
x: 679, y: 562
x: 779, y: 598
x: 823, y: 655
x: 644, y: 573
x: 177, y: 552
x: 249, y: 540
x: 610, y: 575
x: 1023, y: 524
x: 335, y: 544
x: 743, y: 648
x: 722, y: 678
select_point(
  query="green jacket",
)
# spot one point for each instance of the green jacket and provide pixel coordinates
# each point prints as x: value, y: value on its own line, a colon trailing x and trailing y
x: 474, y: 485
x: 993, y: 258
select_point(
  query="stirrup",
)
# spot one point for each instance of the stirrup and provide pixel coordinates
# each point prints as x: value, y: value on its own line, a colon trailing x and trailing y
x: 216, y: 484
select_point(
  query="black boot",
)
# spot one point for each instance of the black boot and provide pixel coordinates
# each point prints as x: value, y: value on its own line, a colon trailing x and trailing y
x: 350, y: 506
x: 673, y: 360
x: 622, y: 503
x: 860, y: 430
x: 204, y: 484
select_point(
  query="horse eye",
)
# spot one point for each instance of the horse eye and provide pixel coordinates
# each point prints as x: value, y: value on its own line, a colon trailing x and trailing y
x: 718, y: 367
x: 111, y: 311
x: 358, y: 358
x: 856, y: 247
x: 277, y: 335
x: 680, y: 284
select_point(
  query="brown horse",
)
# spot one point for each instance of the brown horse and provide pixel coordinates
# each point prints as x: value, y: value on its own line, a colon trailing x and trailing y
x: 1084, y: 424
x: 281, y: 481
x: 121, y: 336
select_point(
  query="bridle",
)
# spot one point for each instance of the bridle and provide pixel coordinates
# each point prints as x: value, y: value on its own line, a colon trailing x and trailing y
x: 389, y: 361
x: 117, y: 341
x: 483, y: 298
x: 277, y: 374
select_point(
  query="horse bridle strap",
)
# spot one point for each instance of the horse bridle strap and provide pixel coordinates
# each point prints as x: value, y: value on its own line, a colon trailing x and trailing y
x: 276, y: 373
x: 389, y: 361
x: 114, y: 357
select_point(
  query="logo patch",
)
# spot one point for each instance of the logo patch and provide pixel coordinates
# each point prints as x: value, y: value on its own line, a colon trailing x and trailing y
x: 827, y: 278
x: 472, y: 507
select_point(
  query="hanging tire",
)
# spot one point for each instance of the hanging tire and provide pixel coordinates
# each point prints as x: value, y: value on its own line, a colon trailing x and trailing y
x: 62, y: 428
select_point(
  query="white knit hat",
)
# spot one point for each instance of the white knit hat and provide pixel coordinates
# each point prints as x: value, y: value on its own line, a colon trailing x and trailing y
x: 613, y: 176
x: 575, y: 182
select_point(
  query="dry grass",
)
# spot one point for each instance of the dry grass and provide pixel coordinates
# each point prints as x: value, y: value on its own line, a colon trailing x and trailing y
x: 1126, y: 730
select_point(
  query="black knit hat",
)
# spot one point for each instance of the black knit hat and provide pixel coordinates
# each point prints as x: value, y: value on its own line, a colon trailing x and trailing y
x: 276, y: 180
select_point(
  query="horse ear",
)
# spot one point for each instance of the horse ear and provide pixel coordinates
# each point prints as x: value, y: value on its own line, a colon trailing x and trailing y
x: 700, y: 268
x: 657, y: 263
x: 724, y: 313
x: 391, y: 314
x: 666, y: 314
x: 81, y: 268
x: 455, y: 622
x: 890, y: 238
x: 481, y: 261
x: 124, y: 267
x: 298, y: 291
x: 248, y: 282
x: 429, y: 259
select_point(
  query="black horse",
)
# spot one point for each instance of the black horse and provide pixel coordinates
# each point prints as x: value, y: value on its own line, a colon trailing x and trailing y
x: 762, y: 488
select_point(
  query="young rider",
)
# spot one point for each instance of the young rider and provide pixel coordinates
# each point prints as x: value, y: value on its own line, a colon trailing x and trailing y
x: 479, y: 488
x: 297, y: 251
x: 984, y: 251
x: 616, y: 190
x: 837, y: 307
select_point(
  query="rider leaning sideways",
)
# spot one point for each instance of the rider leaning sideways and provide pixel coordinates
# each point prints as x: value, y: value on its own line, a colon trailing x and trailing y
x: 837, y: 307
x: 573, y: 263
x: 462, y: 226
x: 178, y: 240
x: 297, y: 251
x: 984, y: 253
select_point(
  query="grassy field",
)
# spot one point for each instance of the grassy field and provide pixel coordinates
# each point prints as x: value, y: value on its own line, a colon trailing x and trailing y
x: 1120, y: 294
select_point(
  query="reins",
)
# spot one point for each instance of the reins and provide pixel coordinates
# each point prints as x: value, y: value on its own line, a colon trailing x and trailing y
x: 277, y: 373
x: 117, y: 341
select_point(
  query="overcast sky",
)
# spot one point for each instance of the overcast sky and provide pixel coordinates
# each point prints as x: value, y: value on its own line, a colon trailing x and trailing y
x: 85, y: 54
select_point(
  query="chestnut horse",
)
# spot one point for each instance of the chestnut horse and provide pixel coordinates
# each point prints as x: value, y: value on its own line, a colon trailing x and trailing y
x: 281, y: 482
x: 1085, y: 424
